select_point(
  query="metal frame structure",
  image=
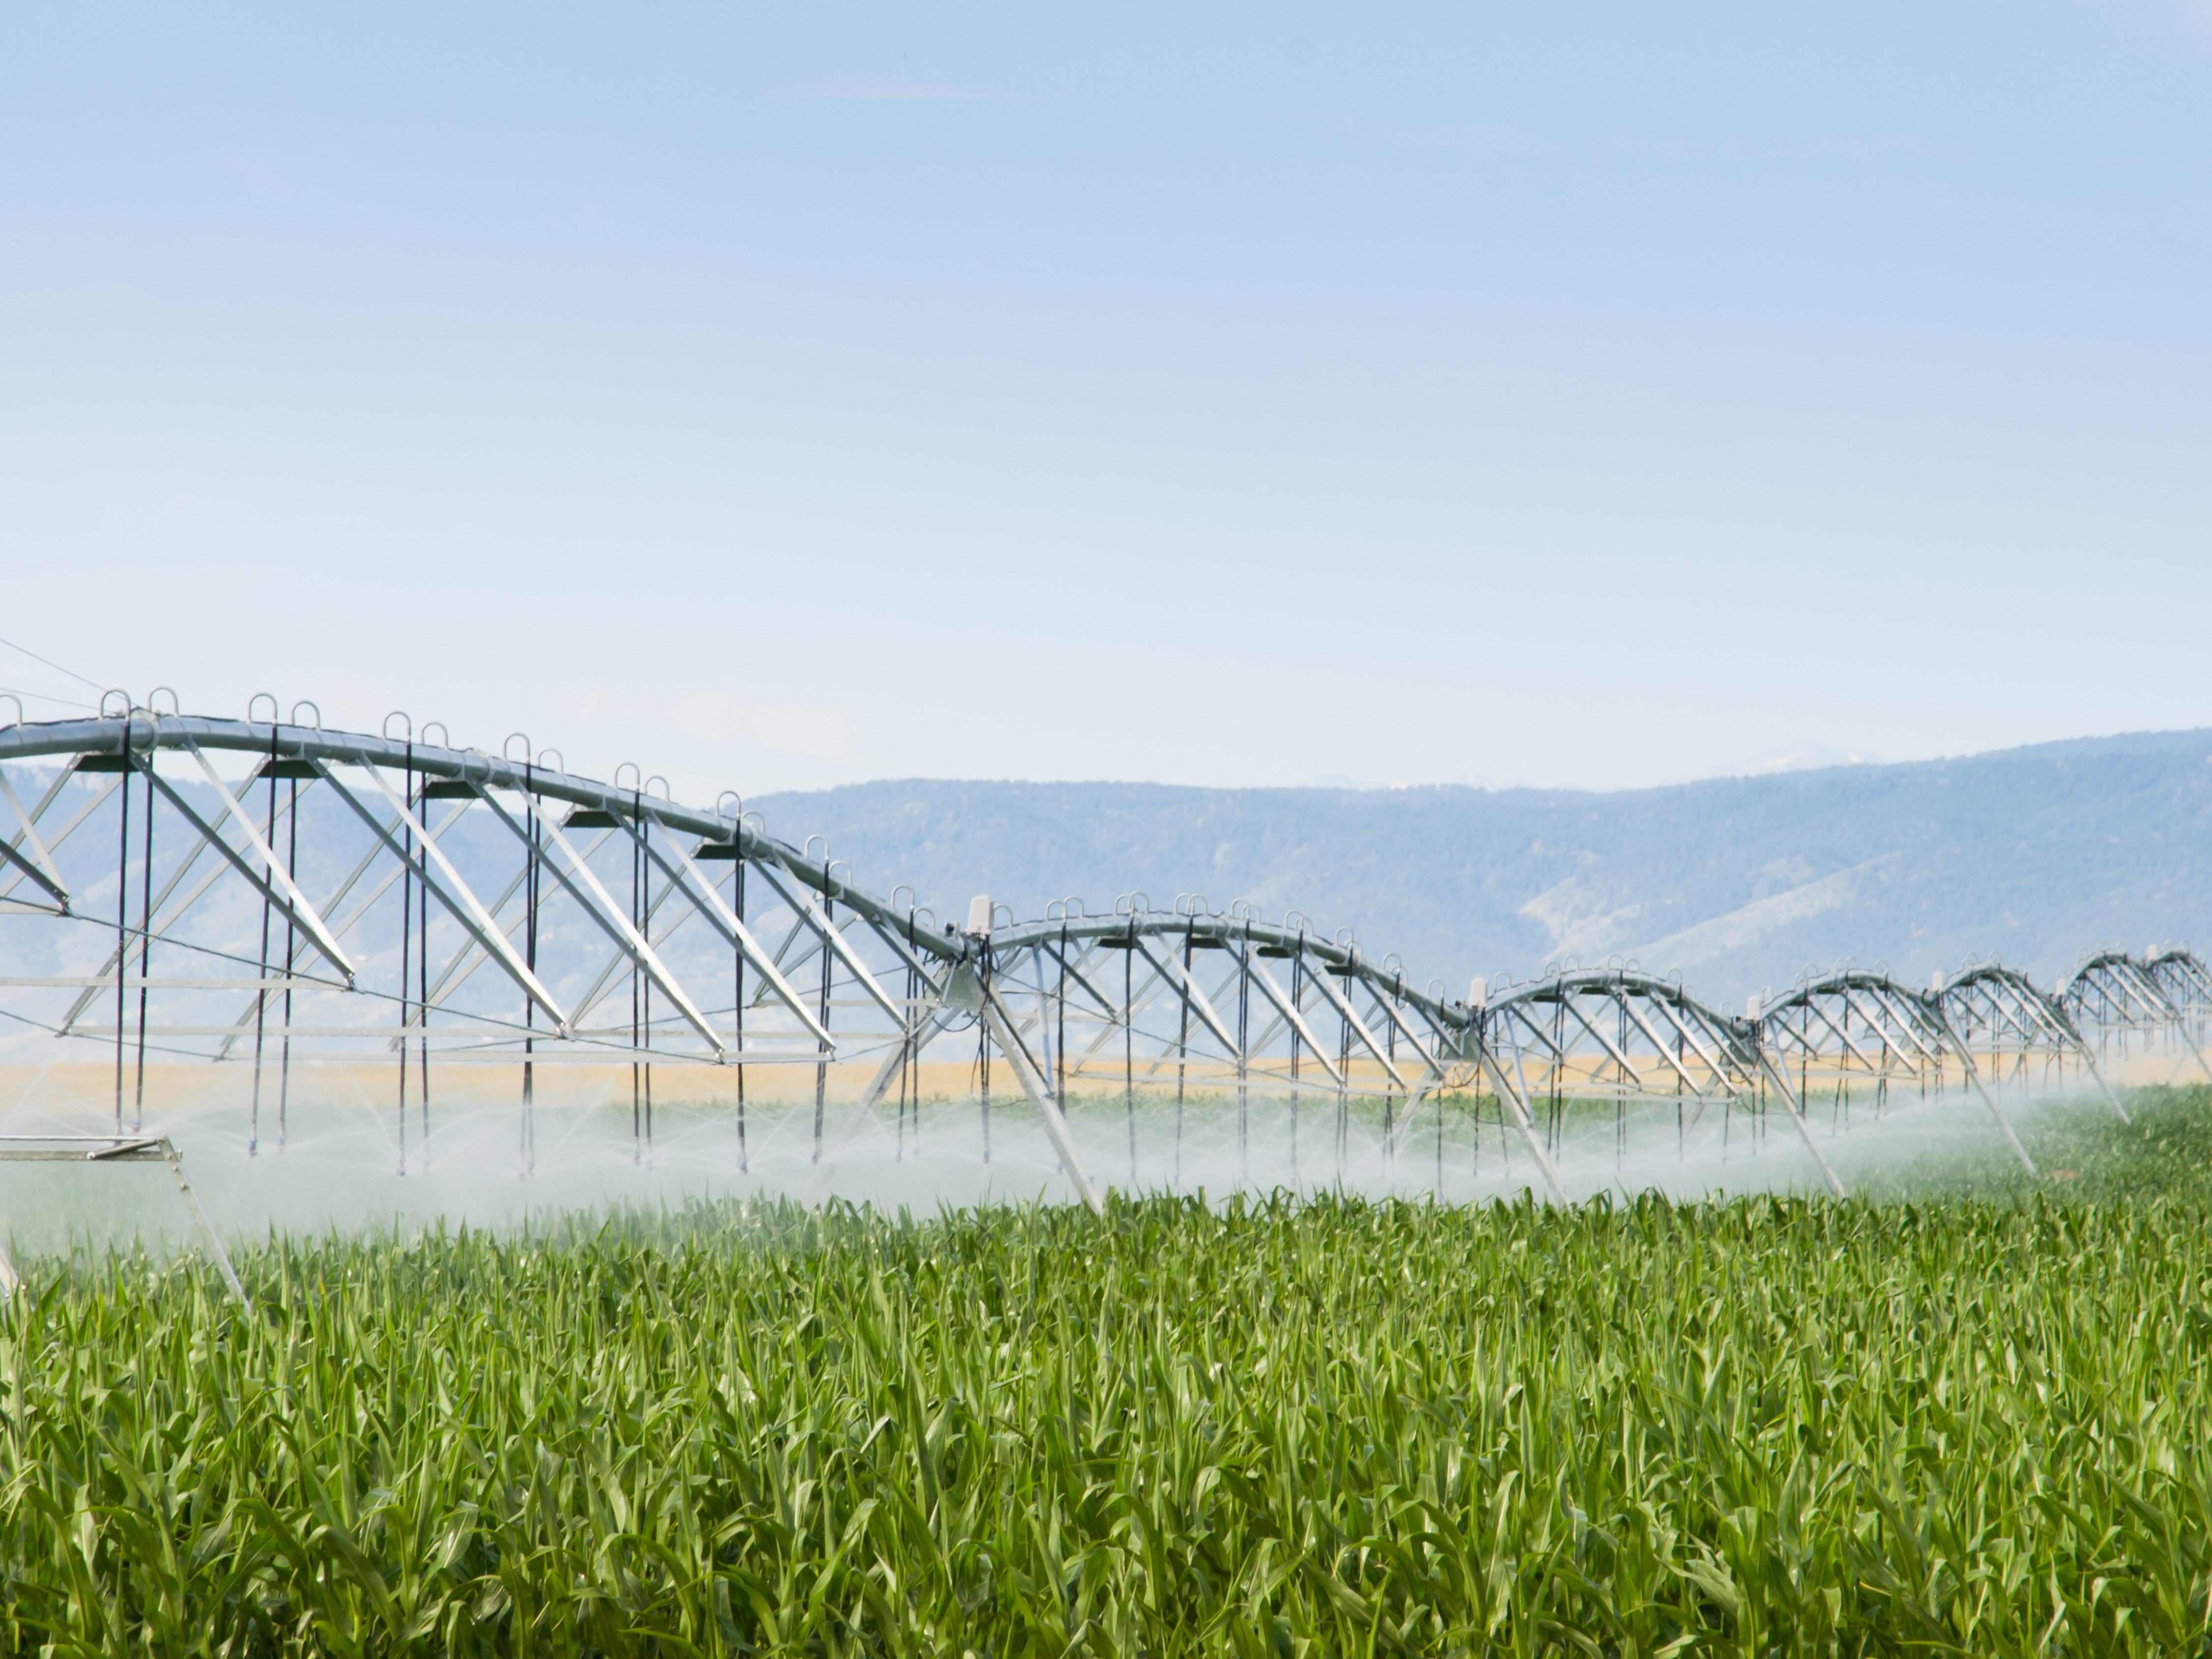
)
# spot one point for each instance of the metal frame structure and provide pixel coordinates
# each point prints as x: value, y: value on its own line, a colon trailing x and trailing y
x: 2160, y: 992
x: 109, y: 1149
x: 422, y: 901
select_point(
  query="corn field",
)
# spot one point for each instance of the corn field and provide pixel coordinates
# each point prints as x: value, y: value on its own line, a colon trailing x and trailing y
x: 1765, y: 1426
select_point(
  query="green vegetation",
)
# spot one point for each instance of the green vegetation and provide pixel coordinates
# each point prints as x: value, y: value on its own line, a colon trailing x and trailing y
x: 1763, y: 1426
x: 2083, y: 1153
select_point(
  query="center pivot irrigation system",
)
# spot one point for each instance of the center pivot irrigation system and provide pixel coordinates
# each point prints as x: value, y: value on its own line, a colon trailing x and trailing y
x: 296, y: 895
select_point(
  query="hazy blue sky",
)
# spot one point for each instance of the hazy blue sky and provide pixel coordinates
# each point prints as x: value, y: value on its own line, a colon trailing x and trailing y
x: 783, y: 396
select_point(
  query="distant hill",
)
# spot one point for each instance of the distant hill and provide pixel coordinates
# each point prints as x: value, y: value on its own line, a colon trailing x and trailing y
x: 2033, y: 854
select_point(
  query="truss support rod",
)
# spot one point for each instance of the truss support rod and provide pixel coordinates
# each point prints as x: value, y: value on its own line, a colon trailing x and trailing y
x: 320, y: 935
x: 1141, y: 997
x: 887, y: 929
x: 1275, y: 995
x: 207, y: 1232
x: 1538, y: 1039
x: 1629, y: 1076
x: 1974, y: 1077
x: 1842, y: 1036
x: 1389, y: 1012
x: 1522, y: 1120
x: 59, y: 894
x: 99, y: 799
x: 1032, y: 1082
x: 2138, y: 990
x: 1443, y: 1035
x: 2041, y: 1024
x: 2181, y: 1026
x: 832, y: 940
x: 1906, y: 1024
x: 1074, y: 962
x: 2111, y: 1099
x: 29, y: 820
x: 1797, y: 1115
x: 599, y: 905
x: 1883, y: 1023
x: 912, y: 1040
x: 1327, y: 981
x: 1659, y: 1046
x: 1164, y: 963
x: 145, y: 1150
x: 686, y: 874
x: 2054, y: 1015
x: 290, y: 903
x: 1432, y: 1075
x: 462, y: 904
x: 43, y: 871
x: 466, y: 961
x: 671, y: 893
x: 168, y: 916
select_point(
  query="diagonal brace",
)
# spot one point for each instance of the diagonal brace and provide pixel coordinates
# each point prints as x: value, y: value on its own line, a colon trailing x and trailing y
x: 290, y: 902
x: 452, y: 892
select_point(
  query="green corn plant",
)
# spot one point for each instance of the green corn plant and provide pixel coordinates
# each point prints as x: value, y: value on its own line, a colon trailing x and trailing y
x: 1319, y: 1425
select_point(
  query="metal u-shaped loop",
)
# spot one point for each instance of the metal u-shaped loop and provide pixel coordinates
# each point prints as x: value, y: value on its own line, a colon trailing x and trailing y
x: 276, y: 709
x: 406, y: 735
x: 105, y: 712
x: 636, y: 785
x: 176, y: 707
x: 308, y: 703
x: 11, y: 697
x: 506, y: 748
x: 445, y: 738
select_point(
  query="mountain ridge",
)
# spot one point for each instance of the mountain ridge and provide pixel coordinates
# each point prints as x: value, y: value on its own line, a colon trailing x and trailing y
x: 2036, y: 854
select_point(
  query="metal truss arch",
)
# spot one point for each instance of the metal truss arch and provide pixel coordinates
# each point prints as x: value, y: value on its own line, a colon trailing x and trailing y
x: 381, y: 896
